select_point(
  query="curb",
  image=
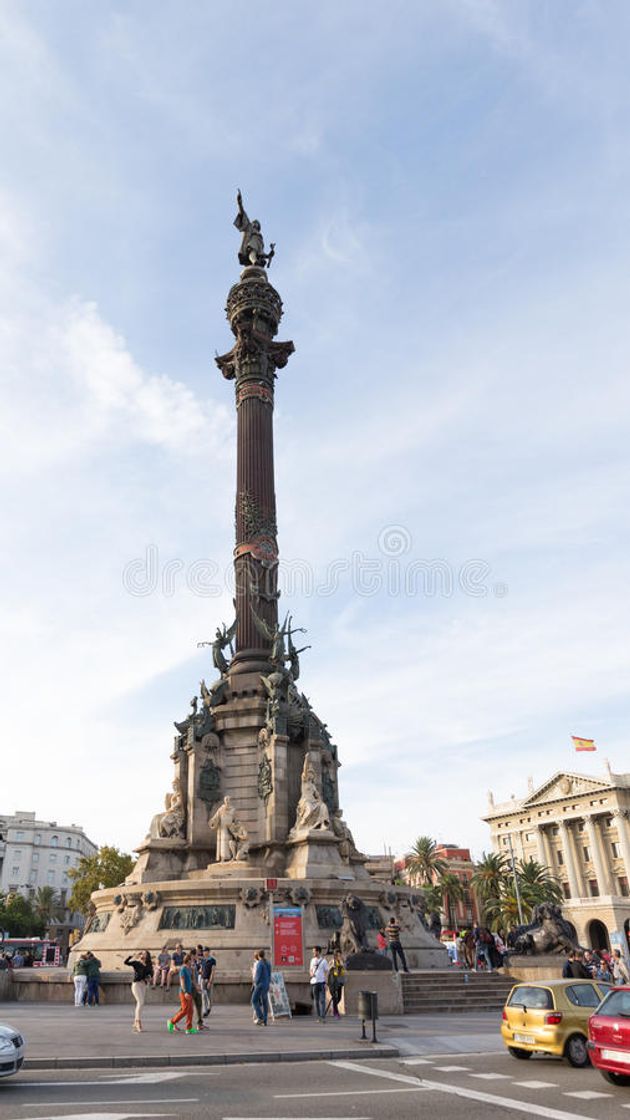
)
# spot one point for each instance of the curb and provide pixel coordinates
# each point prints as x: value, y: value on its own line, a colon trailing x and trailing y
x: 164, y: 1060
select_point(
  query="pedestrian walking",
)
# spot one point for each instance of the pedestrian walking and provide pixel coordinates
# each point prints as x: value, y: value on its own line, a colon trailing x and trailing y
x: 261, y: 978
x: 79, y: 976
x: 185, y: 998
x: 195, y: 968
x: 93, y: 979
x: 208, y: 969
x: 318, y: 971
x: 162, y: 968
x: 392, y: 929
x: 336, y: 981
x: 142, y: 972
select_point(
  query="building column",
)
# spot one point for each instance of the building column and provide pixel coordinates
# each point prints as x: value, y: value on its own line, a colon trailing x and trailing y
x: 601, y: 871
x: 540, y: 840
x: 621, y: 817
x: 567, y: 849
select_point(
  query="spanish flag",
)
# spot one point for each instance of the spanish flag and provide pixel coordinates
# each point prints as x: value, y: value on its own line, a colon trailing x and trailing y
x: 584, y: 744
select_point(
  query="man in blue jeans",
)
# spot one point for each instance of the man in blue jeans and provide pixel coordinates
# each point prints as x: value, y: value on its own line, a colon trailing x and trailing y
x: 260, y: 991
x: 319, y: 975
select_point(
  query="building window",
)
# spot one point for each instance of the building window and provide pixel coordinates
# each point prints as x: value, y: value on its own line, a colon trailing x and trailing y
x: 581, y: 826
x: 62, y: 897
x: 51, y: 878
x: 615, y: 849
x: 35, y: 857
x: 555, y: 830
x: 566, y: 890
x: 623, y: 886
x: 586, y: 854
x: 609, y: 822
x: 52, y: 857
x: 15, y: 871
x: 560, y: 858
x: 66, y: 860
x: 78, y: 843
x: 54, y: 841
x: 68, y: 841
x: 13, y: 888
x: 593, y: 889
x: 38, y: 837
x: 19, y: 836
x: 32, y: 879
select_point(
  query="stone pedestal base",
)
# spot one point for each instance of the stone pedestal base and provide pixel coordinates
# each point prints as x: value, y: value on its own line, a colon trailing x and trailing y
x: 387, y: 986
x: 548, y: 966
x: 316, y: 856
x: 231, y: 914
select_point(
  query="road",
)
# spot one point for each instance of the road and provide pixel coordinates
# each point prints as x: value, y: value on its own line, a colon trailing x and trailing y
x: 464, y: 1087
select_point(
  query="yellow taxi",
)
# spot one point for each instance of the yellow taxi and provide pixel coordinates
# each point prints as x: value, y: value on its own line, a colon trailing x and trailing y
x: 551, y: 1017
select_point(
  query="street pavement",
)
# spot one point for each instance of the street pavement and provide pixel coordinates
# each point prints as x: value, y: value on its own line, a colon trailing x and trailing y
x: 475, y: 1087
x: 62, y: 1036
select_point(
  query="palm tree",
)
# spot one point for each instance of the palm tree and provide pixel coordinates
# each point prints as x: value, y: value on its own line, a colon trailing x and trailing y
x: 433, y: 897
x: 489, y: 881
x: 452, y: 890
x: 537, y: 884
x: 423, y: 862
x: 46, y: 905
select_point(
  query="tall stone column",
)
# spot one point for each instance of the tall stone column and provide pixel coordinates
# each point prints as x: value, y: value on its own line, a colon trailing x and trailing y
x: 540, y: 841
x: 254, y: 310
x: 569, y: 859
x: 602, y: 873
x: 621, y: 817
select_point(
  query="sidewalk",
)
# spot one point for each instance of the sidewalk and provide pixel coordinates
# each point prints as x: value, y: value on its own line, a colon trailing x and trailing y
x: 60, y: 1036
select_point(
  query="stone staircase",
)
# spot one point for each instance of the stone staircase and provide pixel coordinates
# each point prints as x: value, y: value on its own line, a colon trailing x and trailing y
x: 431, y: 992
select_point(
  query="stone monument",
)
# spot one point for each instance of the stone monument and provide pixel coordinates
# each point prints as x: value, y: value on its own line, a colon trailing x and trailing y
x: 255, y: 793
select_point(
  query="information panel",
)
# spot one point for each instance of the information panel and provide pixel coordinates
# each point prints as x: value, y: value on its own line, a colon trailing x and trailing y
x: 288, y: 937
x: 278, y: 998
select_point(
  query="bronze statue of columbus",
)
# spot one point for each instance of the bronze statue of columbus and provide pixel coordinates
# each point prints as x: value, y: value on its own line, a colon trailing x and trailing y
x: 252, y: 250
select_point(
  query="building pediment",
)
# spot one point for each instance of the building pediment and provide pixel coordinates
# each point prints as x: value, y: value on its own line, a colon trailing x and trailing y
x: 562, y: 785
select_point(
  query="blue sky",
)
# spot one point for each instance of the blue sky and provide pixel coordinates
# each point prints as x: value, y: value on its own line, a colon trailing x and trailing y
x: 448, y: 187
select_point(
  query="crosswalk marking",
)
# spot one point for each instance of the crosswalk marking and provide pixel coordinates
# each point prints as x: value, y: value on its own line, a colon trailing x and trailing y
x: 586, y: 1095
x: 451, y: 1069
x: 536, y: 1084
x: 491, y: 1076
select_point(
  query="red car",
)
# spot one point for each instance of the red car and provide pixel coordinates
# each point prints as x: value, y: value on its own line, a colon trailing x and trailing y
x: 609, y: 1036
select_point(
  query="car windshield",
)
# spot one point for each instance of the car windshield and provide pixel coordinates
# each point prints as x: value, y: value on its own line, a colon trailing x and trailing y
x: 616, y: 1002
x: 528, y: 996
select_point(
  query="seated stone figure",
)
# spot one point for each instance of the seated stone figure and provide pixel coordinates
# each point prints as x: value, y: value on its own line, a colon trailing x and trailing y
x: 170, y: 823
x: 312, y: 812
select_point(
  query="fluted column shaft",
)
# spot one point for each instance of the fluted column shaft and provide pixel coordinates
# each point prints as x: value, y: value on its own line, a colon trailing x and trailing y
x: 567, y: 849
x: 601, y: 871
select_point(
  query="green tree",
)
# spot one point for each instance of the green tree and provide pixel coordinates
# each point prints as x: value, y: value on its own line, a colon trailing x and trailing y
x: 489, y: 878
x: 108, y: 868
x: 452, y: 890
x: 433, y: 897
x: 537, y: 884
x: 47, y: 906
x: 18, y: 917
x: 423, y: 862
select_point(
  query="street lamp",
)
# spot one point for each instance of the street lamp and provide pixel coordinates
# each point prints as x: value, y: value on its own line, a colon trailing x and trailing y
x: 516, y: 886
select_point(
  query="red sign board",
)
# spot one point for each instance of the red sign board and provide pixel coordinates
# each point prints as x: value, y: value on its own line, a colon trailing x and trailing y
x: 271, y: 884
x: 288, y: 937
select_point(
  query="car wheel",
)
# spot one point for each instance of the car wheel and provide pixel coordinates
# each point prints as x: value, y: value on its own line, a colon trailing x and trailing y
x: 576, y: 1053
x: 615, y: 1078
x: 516, y: 1053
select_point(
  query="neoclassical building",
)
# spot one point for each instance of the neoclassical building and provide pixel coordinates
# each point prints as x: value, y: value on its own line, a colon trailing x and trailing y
x: 579, y: 827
